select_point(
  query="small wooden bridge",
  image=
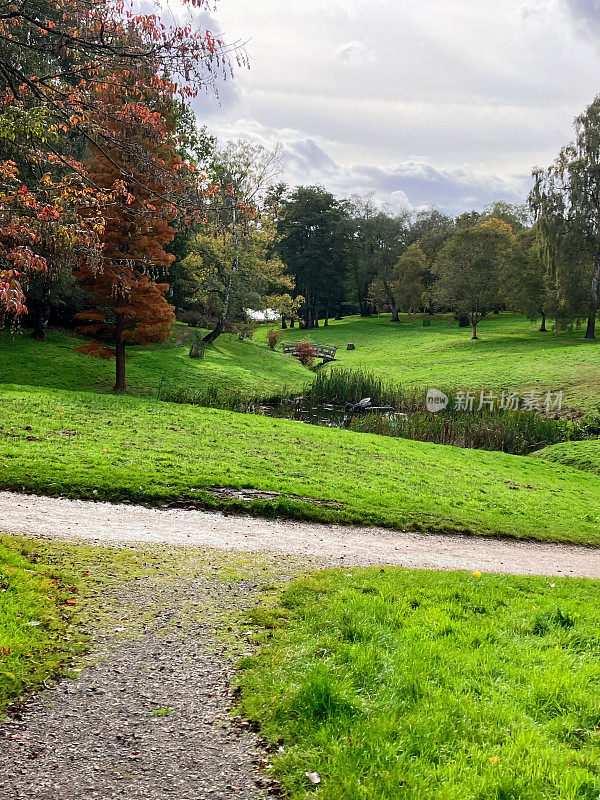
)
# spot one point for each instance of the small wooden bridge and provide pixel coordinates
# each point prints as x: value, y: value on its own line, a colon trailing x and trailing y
x: 325, y: 351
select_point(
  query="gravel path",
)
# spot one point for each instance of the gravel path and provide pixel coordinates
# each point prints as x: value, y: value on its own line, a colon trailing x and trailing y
x: 96, y: 738
x: 336, y: 545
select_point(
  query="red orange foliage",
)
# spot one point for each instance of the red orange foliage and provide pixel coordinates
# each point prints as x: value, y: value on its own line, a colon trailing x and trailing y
x: 61, y: 62
x: 128, y: 306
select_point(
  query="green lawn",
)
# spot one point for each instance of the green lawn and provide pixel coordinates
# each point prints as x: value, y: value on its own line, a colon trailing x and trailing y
x: 246, y: 366
x: 100, y: 446
x: 398, y: 684
x: 510, y: 354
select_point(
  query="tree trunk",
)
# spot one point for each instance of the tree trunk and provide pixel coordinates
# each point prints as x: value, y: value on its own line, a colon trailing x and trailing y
x: 315, y: 316
x: 283, y: 322
x: 326, y: 323
x: 543, y: 328
x: 120, y: 382
x: 474, y: 324
x: 292, y: 321
x: 216, y: 332
x: 41, y: 327
x: 591, y: 325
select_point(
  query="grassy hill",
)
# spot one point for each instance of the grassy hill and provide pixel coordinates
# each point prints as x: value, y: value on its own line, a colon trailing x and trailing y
x: 57, y: 439
x: 250, y: 367
x: 580, y: 455
x: 510, y: 354
x: 126, y: 448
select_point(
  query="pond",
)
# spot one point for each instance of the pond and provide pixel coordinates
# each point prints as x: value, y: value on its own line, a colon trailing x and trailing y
x: 304, y: 410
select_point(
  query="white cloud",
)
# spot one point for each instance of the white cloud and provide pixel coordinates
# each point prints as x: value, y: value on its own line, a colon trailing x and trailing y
x: 355, y: 52
x: 447, y: 103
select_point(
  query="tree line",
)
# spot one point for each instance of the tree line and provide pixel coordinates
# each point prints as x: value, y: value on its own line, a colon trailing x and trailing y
x: 118, y: 214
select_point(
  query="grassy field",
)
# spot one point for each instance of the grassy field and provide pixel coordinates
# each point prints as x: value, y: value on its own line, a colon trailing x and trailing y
x: 249, y: 367
x: 37, y: 602
x: 125, y: 448
x: 404, y: 684
x: 510, y: 354
x: 581, y: 455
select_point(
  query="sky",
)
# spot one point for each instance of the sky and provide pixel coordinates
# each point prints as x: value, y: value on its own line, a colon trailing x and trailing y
x: 446, y: 103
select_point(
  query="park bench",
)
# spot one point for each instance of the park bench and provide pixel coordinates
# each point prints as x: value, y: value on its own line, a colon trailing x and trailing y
x: 325, y: 351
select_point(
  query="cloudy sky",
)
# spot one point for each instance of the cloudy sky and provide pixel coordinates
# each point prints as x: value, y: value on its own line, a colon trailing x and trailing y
x: 423, y: 102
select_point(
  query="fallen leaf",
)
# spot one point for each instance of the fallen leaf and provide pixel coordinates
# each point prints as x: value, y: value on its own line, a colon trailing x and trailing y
x: 313, y: 777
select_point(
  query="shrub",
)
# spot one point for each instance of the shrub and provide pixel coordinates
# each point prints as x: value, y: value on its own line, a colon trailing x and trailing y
x: 306, y: 353
x: 246, y: 330
x: 218, y: 396
x: 192, y: 317
x: 273, y: 337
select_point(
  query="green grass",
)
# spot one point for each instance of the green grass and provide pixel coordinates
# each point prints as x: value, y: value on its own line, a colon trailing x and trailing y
x: 37, y: 634
x: 580, y: 455
x: 247, y: 367
x: 510, y: 354
x: 125, y: 448
x: 400, y: 684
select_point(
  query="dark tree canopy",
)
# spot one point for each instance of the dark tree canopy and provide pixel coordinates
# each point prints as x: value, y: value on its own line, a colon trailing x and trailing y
x: 314, y: 238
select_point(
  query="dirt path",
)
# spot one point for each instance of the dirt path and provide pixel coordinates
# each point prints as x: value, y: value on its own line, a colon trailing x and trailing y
x: 148, y: 718
x: 75, y: 520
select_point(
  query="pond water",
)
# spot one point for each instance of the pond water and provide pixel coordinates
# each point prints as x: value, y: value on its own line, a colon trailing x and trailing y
x: 303, y: 410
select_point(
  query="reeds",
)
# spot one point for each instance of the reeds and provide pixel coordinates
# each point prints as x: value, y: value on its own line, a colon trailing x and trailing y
x: 217, y: 396
x: 517, y: 432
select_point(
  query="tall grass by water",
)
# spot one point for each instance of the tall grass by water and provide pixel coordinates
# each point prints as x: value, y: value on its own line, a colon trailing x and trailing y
x: 342, y: 386
x: 517, y: 432
x: 218, y: 396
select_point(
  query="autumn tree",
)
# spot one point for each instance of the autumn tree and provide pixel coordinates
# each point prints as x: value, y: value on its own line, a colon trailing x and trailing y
x: 59, y: 61
x: 61, y: 218
x: 128, y: 307
x: 470, y: 266
x: 518, y: 216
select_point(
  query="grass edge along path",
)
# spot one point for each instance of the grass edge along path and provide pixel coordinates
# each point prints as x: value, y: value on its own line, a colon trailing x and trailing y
x: 39, y: 600
x: 91, y: 446
x: 395, y: 683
